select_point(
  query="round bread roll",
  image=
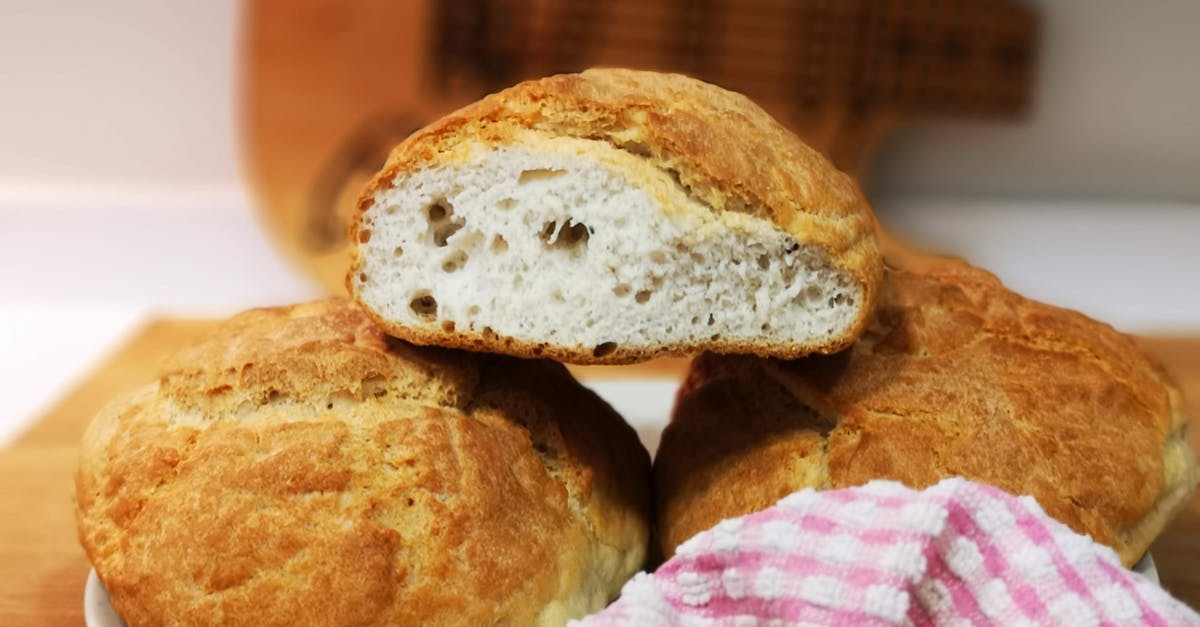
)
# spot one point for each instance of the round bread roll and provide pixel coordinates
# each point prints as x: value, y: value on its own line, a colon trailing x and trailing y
x: 613, y: 216
x: 301, y: 468
x: 956, y: 376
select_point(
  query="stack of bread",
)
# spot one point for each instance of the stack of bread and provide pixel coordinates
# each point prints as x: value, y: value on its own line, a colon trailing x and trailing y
x: 412, y: 456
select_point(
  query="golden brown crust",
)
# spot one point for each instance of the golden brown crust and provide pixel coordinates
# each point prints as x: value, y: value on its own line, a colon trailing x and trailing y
x: 490, y: 342
x: 300, y: 467
x: 957, y: 376
x: 724, y: 149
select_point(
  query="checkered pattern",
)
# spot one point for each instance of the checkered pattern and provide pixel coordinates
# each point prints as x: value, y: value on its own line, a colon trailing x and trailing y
x: 958, y: 553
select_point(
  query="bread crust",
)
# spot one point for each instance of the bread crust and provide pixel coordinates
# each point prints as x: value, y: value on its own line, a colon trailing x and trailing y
x: 300, y: 467
x: 956, y: 376
x: 724, y: 149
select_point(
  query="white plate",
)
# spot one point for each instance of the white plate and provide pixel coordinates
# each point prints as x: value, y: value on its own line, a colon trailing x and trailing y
x: 97, y: 611
x: 1147, y: 569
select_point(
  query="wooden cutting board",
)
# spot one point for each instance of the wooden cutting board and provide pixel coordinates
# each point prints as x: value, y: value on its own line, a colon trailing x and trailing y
x: 42, y: 568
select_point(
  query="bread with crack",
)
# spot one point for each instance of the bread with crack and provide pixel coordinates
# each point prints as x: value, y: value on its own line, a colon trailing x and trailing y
x: 301, y: 468
x: 956, y: 376
x: 612, y: 216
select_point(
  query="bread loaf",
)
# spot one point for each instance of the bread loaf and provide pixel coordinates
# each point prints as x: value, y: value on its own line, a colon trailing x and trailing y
x: 300, y: 468
x: 956, y: 376
x: 613, y: 216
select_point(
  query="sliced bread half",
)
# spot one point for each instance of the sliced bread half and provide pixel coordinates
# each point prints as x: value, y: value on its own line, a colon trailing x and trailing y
x: 612, y: 216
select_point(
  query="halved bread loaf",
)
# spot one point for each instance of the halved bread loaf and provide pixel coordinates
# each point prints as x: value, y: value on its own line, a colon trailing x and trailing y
x: 956, y: 376
x: 613, y: 216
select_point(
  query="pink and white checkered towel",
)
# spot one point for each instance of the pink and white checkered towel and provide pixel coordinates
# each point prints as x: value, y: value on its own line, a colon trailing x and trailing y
x: 958, y: 553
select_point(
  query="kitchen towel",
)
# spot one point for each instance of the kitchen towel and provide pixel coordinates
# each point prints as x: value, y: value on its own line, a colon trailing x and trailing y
x: 957, y: 553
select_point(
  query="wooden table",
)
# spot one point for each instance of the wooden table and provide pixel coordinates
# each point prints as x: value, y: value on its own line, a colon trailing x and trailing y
x: 42, y: 568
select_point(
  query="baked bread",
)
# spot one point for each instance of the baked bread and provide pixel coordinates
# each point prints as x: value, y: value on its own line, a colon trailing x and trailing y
x: 613, y: 216
x: 300, y: 468
x: 955, y: 376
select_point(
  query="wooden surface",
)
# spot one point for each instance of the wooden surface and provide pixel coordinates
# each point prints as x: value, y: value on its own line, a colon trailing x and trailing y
x: 42, y: 568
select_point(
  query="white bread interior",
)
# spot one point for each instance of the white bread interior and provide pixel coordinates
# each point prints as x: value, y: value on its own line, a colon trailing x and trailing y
x: 579, y: 244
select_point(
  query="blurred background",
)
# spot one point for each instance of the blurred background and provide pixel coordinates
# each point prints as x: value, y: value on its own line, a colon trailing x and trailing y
x: 197, y: 157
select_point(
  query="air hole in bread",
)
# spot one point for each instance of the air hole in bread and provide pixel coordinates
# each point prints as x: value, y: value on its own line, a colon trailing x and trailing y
x: 507, y: 203
x: 424, y: 305
x: 443, y: 233
x: 766, y: 326
x: 636, y: 148
x: 455, y: 261
x: 810, y: 293
x: 362, y: 276
x: 622, y: 290
x: 557, y: 296
x: 688, y: 191
x: 398, y: 251
x: 738, y: 204
x: 364, y: 236
x: 575, y: 234
x: 764, y: 262
x: 711, y: 319
x: 442, y: 222
x: 448, y: 326
x: 603, y: 349
x: 499, y: 244
x: 658, y: 257
x: 642, y: 296
x: 473, y: 310
x: 528, y: 176
x: 695, y: 319
x: 567, y: 236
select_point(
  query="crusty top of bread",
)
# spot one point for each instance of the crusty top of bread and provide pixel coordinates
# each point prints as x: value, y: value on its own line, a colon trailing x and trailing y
x: 299, y: 467
x: 720, y: 147
x: 956, y: 376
